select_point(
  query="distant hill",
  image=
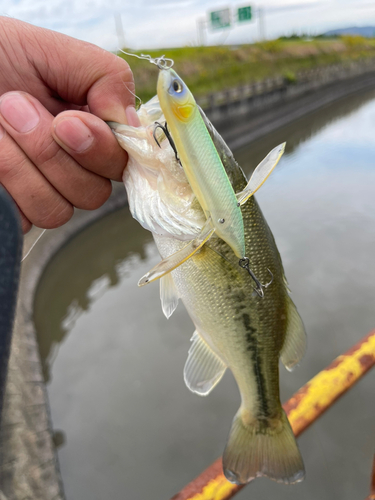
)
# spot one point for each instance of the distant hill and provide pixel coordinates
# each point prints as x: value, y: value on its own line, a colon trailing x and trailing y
x: 367, y: 31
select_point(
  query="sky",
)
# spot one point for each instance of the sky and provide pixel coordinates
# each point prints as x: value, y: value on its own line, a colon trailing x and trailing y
x: 166, y: 23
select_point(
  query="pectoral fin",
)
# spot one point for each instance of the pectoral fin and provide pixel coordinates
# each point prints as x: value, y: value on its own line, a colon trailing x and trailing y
x: 261, y: 173
x: 168, y: 295
x: 167, y: 265
x: 203, y: 368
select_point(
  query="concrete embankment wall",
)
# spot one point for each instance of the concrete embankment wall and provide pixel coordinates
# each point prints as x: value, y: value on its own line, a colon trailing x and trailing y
x: 28, y: 464
x: 247, y: 113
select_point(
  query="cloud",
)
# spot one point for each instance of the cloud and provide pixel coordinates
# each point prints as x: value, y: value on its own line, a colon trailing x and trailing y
x: 167, y: 23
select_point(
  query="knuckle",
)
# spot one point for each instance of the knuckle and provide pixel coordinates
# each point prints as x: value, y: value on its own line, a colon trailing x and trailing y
x: 122, y: 72
x: 47, y: 151
x: 96, y: 197
x: 11, y: 165
x: 54, y: 216
x: 119, y: 65
x: 6, y: 168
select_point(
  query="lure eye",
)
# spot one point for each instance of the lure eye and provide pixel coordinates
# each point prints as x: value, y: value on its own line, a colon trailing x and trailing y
x: 177, y: 87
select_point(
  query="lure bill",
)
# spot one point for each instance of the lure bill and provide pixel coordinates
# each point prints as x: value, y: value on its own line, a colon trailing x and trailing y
x: 235, y: 328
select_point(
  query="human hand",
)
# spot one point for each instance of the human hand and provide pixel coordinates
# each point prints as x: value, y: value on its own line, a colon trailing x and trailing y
x: 56, y: 152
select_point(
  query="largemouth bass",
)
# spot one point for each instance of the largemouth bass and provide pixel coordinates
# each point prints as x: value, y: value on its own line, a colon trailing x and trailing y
x: 235, y: 327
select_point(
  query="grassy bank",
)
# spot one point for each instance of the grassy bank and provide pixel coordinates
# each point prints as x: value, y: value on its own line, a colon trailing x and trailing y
x: 209, y: 69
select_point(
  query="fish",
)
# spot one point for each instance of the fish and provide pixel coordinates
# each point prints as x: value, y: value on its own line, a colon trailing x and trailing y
x: 235, y: 327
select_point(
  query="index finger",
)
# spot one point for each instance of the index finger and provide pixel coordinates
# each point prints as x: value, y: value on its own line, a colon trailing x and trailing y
x: 75, y: 71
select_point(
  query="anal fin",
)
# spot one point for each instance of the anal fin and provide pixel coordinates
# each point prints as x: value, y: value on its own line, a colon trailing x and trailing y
x: 295, y: 340
x: 203, y: 368
x: 168, y: 295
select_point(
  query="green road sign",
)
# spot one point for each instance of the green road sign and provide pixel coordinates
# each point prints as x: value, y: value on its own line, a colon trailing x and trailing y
x: 244, y: 14
x: 220, y: 19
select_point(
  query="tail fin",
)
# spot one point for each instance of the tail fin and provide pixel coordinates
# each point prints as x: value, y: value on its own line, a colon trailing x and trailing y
x: 262, y: 448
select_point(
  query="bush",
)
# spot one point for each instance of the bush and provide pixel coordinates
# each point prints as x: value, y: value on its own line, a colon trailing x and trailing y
x: 290, y: 77
x: 272, y: 46
x: 354, y: 41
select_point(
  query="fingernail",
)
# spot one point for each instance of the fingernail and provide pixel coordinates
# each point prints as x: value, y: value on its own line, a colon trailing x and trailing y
x: 132, y: 117
x: 1, y: 131
x: 74, y: 133
x: 19, y: 112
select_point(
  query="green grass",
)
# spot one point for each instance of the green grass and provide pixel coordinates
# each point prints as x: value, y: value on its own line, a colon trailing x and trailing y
x: 210, y: 69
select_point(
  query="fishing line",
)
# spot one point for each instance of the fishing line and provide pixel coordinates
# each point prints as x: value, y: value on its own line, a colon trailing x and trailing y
x: 161, y: 62
x: 133, y: 94
x: 33, y: 245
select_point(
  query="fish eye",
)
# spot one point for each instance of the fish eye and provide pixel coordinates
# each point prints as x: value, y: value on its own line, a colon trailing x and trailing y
x: 177, y: 87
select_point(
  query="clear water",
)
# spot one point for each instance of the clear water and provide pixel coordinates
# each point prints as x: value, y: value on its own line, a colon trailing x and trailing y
x: 126, y: 425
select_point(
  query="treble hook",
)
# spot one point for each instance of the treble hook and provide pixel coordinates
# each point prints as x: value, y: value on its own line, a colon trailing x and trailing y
x: 245, y: 264
x: 168, y: 136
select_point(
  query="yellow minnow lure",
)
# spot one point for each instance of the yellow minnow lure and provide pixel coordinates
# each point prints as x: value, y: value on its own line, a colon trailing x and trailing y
x: 200, y: 160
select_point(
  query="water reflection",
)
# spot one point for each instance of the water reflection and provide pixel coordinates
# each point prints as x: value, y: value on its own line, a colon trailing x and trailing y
x: 97, y: 259
x: 302, y: 130
x: 115, y: 382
